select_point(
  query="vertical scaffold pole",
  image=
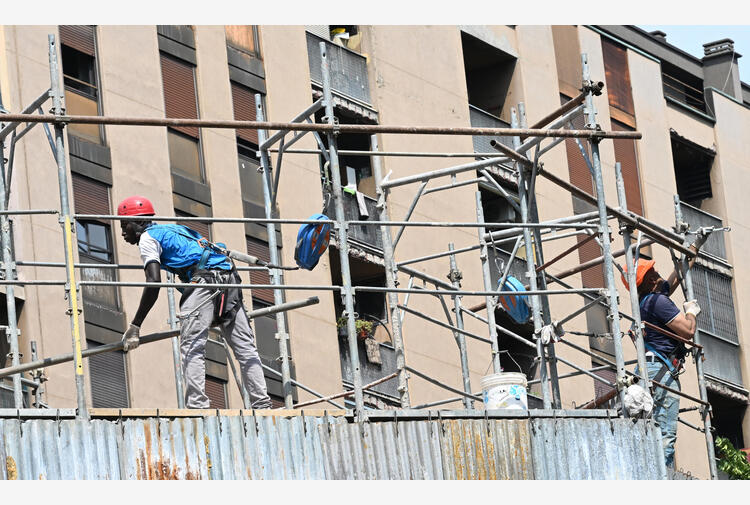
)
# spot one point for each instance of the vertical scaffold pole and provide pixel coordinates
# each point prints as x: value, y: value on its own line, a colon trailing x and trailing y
x: 536, y: 310
x: 10, y: 298
x: 609, y: 276
x: 455, y: 278
x: 67, y: 224
x: 343, y: 234
x: 391, y: 277
x: 487, y: 278
x: 176, y: 359
x: 632, y: 287
x: 278, y: 295
x: 687, y: 277
x: 539, y: 256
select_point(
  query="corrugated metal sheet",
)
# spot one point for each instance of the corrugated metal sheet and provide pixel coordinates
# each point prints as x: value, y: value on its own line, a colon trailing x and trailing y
x: 451, y: 449
x: 269, y: 447
x: 214, y: 447
x: 596, y: 449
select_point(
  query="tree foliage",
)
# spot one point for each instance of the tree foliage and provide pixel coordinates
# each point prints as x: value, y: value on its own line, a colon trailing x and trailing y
x: 732, y: 461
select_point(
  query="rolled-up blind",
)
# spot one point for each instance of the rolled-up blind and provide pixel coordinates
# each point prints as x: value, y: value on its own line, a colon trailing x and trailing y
x: 89, y: 196
x: 180, y: 97
x: 109, y: 385
x: 259, y: 249
x: 79, y: 37
x: 625, y: 153
x: 244, y: 110
x: 216, y: 392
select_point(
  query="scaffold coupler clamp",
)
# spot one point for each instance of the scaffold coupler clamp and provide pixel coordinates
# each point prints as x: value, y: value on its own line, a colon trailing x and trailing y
x: 455, y: 275
x: 595, y: 87
x: 335, y: 124
x: 681, y: 227
x: 551, y: 333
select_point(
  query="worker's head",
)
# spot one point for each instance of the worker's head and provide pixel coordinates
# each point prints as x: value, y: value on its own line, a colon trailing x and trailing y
x: 134, y: 206
x: 646, y: 276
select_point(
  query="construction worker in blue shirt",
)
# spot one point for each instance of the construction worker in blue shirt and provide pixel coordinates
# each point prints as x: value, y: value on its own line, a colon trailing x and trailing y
x: 182, y: 251
x: 665, y: 355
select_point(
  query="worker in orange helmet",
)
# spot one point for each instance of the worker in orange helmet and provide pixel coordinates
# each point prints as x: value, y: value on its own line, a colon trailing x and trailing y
x: 664, y: 355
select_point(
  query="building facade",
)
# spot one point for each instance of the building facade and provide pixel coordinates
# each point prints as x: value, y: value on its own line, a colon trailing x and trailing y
x: 693, y: 113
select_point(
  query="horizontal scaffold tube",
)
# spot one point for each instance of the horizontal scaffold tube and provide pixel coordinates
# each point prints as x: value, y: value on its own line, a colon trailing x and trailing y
x: 145, y: 339
x: 317, y: 127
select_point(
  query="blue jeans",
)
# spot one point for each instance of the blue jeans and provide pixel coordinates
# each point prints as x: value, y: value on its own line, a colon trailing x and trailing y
x: 666, y: 409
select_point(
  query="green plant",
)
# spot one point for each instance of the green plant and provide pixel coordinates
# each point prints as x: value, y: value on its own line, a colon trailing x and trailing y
x: 361, y: 326
x: 732, y: 461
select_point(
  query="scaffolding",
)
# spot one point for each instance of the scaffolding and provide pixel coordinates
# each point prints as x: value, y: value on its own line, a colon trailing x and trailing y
x: 522, y: 160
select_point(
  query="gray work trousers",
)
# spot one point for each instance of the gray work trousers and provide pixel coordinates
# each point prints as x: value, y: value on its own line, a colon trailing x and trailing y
x: 197, y: 316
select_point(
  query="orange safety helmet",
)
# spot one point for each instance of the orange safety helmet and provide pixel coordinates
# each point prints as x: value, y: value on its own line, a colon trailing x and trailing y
x: 135, y: 206
x: 644, y: 266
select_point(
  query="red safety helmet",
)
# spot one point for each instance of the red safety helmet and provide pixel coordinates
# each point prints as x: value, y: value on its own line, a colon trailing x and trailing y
x: 644, y: 266
x: 135, y: 206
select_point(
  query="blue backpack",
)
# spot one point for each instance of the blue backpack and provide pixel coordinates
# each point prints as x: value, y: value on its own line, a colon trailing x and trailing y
x: 312, y: 242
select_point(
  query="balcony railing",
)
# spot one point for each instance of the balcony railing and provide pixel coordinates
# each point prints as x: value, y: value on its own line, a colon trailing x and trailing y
x: 481, y: 119
x: 683, y: 92
x: 697, y: 218
x: 366, y: 235
x: 348, y: 69
x: 370, y: 371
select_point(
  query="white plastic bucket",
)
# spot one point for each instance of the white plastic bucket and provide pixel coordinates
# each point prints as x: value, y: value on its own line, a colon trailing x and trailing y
x: 505, y: 390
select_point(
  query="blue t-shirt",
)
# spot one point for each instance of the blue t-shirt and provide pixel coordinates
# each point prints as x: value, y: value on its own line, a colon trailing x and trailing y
x: 177, y: 249
x: 658, y: 309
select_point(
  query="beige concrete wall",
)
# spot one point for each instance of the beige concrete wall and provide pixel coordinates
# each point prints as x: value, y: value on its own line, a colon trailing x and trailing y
x: 729, y: 178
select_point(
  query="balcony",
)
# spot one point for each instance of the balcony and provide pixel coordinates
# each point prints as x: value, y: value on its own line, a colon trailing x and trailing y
x: 361, y: 234
x: 683, y: 93
x: 481, y: 119
x: 348, y: 69
x: 697, y: 218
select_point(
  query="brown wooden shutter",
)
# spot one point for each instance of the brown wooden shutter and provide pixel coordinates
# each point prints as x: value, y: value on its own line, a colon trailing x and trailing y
x: 580, y: 177
x: 216, y: 392
x: 260, y: 249
x: 89, y: 196
x: 109, y: 384
x: 244, y: 110
x: 180, y: 98
x: 79, y: 37
x: 241, y: 37
x: 625, y: 153
x: 617, y: 76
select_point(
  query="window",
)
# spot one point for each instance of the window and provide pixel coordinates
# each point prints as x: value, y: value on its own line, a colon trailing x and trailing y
x: 78, y: 54
x: 626, y: 154
x: 567, y: 58
x: 201, y: 227
x: 488, y: 74
x: 181, y: 101
x: 108, y: 377
x: 692, y: 169
x: 243, y: 101
x: 216, y: 390
x: 682, y: 86
x: 619, y: 92
x: 259, y: 249
x: 243, y: 38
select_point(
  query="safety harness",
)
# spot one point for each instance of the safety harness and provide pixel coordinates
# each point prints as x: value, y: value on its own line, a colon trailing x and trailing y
x: 672, y: 363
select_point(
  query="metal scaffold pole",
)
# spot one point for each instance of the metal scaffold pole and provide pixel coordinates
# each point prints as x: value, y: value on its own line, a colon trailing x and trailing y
x: 391, y: 272
x: 343, y: 237
x: 687, y: 279
x: 529, y: 176
x: 630, y: 254
x: 609, y: 276
x: 67, y: 224
x: 176, y: 359
x: 10, y: 298
x: 278, y: 294
x: 486, y: 277
x: 455, y: 278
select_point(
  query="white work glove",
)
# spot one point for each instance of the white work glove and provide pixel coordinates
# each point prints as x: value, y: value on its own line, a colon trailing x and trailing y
x: 551, y: 332
x: 131, y: 338
x: 701, y: 236
x: 637, y: 401
x: 691, y: 307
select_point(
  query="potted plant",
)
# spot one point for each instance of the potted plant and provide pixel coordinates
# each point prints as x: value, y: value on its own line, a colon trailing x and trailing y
x: 362, y: 327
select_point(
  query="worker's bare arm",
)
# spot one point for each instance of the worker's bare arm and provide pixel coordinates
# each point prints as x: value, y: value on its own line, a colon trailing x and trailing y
x: 683, y: 325
x: 150, y: 295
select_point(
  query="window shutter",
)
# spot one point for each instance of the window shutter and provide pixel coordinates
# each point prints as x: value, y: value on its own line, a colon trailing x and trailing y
x: 201, y: 227
x: 79, y: 37
x: 568, y: 58
x: 108, y: 378
x: 89, y: 196
x: 580, y: 177
x: 617, y: 76
x: 216, y: 392
x: 600, y: 388
x: 625, y: 153
x: 241, y: 37
x: 260, y: 249
x: 180, y: 98
x: 244, y: 110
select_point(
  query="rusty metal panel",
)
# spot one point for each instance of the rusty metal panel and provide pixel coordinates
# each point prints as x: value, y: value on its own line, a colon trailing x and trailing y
x: 211, y: 447
x: 426, y: 450
x: 596, y: 449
